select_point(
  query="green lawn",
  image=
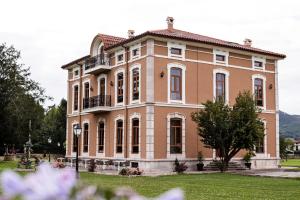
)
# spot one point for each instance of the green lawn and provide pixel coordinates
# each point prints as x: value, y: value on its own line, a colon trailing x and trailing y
x: 204, y: 186
x: 291, y: 163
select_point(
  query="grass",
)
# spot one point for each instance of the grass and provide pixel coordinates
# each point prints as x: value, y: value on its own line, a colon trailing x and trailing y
x: 291, y: 163
x: 202, y: 186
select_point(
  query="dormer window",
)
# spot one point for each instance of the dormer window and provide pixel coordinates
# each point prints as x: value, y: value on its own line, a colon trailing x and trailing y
x: 176, y: 50
x: 258, y: 62
x: 220, y: 57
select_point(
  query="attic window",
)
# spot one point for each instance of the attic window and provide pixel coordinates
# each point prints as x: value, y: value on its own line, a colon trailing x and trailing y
x: 258, y: 64
x: 176, y: 51
x: 220, y: 58
x: 120, y: 57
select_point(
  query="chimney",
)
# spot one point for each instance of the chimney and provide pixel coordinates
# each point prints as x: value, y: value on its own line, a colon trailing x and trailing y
x: 170, y: 22
x: 130, y: 33
x: 247, y: 42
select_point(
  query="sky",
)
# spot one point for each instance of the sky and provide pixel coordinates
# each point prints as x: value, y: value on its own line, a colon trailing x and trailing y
x: 51, y: 33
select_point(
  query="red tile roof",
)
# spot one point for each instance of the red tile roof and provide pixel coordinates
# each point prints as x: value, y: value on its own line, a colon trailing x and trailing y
x: 184, y: 35
x: 109, y: 40
x: 75, y: 61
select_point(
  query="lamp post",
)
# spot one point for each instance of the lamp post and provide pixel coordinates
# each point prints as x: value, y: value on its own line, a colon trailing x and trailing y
x: 77, y: 132
x: 49, y: 142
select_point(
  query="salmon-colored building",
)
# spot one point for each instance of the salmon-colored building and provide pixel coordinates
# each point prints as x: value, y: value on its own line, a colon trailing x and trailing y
x: 133, y: 97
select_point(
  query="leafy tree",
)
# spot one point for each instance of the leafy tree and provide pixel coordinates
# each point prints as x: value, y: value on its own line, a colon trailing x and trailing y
x: 20, y: 100
x: 229, y: 129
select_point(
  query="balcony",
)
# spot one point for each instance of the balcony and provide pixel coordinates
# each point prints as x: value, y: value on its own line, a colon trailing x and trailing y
x: 97, y: 64
x: 95, y: 104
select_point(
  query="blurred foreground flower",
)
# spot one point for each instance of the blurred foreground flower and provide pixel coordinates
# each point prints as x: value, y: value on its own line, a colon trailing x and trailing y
x: 60, y: 184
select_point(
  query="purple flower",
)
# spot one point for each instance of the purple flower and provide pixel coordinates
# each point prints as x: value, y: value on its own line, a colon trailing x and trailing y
x: 12, y: 184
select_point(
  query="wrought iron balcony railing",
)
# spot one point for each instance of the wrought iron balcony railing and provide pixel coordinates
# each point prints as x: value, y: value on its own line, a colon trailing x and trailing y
x: 96, y: 61
x: 97, y: 101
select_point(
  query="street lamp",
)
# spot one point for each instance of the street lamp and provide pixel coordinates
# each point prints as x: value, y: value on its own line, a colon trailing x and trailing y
x: 49, y: 141
x: 77, y: 132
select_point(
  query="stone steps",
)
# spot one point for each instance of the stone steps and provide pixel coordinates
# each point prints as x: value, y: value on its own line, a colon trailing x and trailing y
x: 232, y: 166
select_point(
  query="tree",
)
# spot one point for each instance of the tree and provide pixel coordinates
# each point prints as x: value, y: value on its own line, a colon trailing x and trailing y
x: 229, y: 129
x: 20, y: 100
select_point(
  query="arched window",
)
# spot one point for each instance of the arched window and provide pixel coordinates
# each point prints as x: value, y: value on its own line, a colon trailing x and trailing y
x: 85, y: 137
x: 135, y: 84
x: 120, y: 87
x: 101, y: 137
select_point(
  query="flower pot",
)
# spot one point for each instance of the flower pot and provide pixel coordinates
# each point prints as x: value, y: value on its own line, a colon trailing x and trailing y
x: 200, y: 166
x: 248, y: 165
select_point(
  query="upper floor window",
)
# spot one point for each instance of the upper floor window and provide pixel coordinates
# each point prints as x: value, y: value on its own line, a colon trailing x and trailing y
x: 85, y: 137
x: 101, y: 137
x: 135, y: 84
x: 119, y: 138
x: 176, y: 84
x: 175, y: 135
x: 86, y: 90
x: 258, y: 62
x: 220, y: 57
x: 220, y: 86
x: 120, y: 87
x: 120, y: 57
x: 258, y: 91
x: 75, y: 98
x: 135, y: 136
x: 76, y: 72
x: 176, y: 50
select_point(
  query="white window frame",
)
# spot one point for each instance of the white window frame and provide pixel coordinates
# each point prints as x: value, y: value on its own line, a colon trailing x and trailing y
x: 98, y: 154
x: 135, y: 66
x: 183, y: 70
x: 73, y: 89
x: 120, y: 70
x: 73, y: 72
x: 85, y: 154
x: 254, y: 76
x: 134, y: 116
x: 265, y: 153
x: 119, y: 155
x: 179, y: 46
x: 98, y: 82
x: 119, y: 53
x: 259, y: 59
x: 137, y: 46
x: 223, y: 53
x: 227, y: 74
x: 183, y: 119
x: 83, y: 90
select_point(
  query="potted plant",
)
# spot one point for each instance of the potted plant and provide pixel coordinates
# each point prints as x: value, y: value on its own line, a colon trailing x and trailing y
x: 247, y: 159
x: 200, y: 163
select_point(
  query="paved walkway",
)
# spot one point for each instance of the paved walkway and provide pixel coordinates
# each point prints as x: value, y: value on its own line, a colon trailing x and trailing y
x: 282, y: 172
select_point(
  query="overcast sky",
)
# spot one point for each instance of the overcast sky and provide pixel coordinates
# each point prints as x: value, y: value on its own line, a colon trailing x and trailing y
x: 54, y: 32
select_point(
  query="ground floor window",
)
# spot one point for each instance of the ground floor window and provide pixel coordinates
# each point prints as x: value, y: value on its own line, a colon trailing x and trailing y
x: 119, y: 145
x: 101, y: 137
x: 85, y: 137
x: 135, y: 136
x: 260, y: 147
x: 175, y: 135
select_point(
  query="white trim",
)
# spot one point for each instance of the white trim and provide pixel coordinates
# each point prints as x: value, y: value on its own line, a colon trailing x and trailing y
x: 259, y: 59
x: 73, y: 72
x: 119, y: 155
x: 83, y: 89
x: 150, y: 71
x: 134, y: 116
x: 73, y: 90
x: 136, y: 46
x: 82, y: 136
x: 135, y: 66
x: 150, y: 132
x: 116, y: 57
x: 277, y: 110
x: 178, y: 46
x: 183, y: 69
x: 120, y: 70
x: 98, y: 82
x: 265, y: 154
x: 183, y: 118
x: 254, y: 76
x: 102, y: 154
x: 222, y: 53
x: 227, y: 74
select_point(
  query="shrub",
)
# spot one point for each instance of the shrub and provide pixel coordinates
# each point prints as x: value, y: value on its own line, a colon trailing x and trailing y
x: 179, y: 167
x: 130, y: 172
x: 124, y: 171
x: 247, y: 157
